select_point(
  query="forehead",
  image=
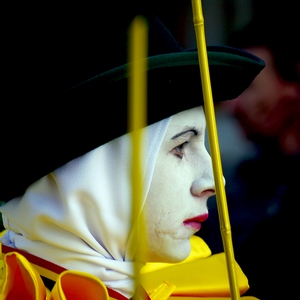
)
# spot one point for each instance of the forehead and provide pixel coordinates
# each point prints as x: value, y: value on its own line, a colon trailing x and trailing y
x: 193, y: 117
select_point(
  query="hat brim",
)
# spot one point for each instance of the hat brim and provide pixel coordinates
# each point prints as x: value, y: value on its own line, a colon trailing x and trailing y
x: 173, y: 84
x: 95, y: 112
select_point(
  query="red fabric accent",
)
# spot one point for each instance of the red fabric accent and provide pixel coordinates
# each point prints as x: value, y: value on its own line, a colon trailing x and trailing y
x: 35, y: 260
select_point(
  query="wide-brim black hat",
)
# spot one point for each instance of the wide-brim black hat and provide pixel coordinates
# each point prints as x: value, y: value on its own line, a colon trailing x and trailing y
x: 82, y: 116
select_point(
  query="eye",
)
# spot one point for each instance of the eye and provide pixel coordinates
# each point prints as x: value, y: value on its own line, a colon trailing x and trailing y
x: 179, y: 150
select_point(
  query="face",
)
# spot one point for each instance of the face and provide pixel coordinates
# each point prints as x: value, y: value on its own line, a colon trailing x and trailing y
x: 182, y: 182
x: 264, y: 107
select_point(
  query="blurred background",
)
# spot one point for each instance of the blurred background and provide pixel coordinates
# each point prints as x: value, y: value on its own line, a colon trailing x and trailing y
x: 47, y: 47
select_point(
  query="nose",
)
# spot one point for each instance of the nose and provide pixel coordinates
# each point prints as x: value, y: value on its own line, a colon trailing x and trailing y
x: 204, y: 184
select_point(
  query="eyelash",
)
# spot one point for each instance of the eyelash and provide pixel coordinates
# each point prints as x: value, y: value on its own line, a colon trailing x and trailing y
x: 180, y: 147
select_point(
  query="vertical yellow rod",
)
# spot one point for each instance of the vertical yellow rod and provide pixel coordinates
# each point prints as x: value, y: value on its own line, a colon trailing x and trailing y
x: 214, y: 147
x: 137, y: 94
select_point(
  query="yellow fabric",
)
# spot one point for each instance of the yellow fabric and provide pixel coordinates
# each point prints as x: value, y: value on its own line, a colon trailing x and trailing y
x: 201, y: 274
x: 204, y: 277
x: 199, y: 249
x: 1, y: 271
x: 1, y: 263
x: 45, y: 273
x: 163, y: 291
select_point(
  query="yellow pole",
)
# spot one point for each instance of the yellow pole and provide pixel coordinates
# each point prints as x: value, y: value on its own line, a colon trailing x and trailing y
x: 198, y: 20
x: 137, y: 94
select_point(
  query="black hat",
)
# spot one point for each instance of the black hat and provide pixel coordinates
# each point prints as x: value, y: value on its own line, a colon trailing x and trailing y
x: 46, y: 135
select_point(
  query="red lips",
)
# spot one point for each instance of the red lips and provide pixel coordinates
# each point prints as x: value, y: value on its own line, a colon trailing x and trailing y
x: 195, y: 222
x: 198, y: 219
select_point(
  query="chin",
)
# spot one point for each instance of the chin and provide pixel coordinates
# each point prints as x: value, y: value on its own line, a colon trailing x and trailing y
x: 171, y: 253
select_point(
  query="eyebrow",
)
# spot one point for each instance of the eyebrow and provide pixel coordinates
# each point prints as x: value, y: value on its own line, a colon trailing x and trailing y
x: 192, y: 129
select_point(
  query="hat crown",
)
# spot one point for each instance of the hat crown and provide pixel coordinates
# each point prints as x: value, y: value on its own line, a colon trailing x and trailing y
x: 160, y: 39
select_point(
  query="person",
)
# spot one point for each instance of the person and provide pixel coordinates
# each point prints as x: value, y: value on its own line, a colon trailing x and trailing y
x: 273, y: 124
x: 77, y: 215
x: 261, y: 181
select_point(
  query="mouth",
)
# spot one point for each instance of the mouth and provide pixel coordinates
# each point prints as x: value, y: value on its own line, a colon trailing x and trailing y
x: 195, y: 222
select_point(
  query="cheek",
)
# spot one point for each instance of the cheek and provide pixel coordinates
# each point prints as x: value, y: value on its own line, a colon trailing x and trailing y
x: 167, y: 201
x: 163, y: 201
x: 168, y: 190
x: 166, y: 238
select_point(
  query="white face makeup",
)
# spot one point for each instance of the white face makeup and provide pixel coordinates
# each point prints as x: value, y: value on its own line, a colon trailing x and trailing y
x: 182, y: 182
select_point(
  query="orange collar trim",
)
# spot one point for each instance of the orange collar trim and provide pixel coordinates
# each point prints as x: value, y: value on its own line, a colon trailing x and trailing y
x: 50, y: 270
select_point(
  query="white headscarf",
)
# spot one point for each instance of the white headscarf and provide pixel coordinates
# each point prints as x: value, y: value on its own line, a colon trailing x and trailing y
x: 79, y: 215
